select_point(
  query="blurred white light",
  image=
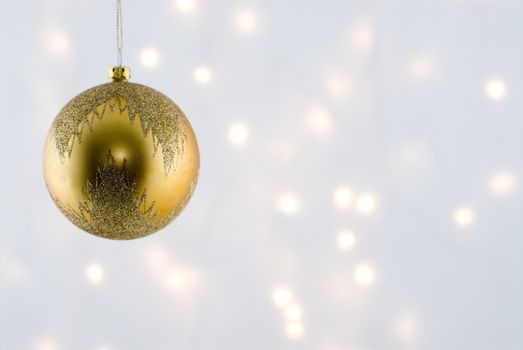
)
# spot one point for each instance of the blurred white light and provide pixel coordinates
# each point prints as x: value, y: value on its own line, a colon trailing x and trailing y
x: 338, y: 87
x: 346, y: 240
x: 422, y: 66
x: 14, y: 270
x: 366, y: 203
x: 502, y: 183
x: 495, y: 89
x: 412, y: 157
x: 288, y: 204
x: 463, y: 216
x: 245, y: 21
x: 157, y: 258
x: 150, y: 57
x: 103, y: 348
x: 361, y: 36
x: 238, y: 134
x: 175, y: 281
x: 294, y: 330
x: 364, y: 275
x: 342, y: 197
x: 56, y: 42
x: 281, y: 296
x: 294, y: 312
x: 407, y: 329
x: 202, y: 75
x: 45, y: 344
x: 185, y: 281
x: 319, y: 120
x: 94, y: 273
x: 185, y: 5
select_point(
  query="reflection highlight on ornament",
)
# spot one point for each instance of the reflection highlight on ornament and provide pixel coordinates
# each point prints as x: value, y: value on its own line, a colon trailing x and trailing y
x: 463, y: 216
x: 288, y: 204
x: 238, y: 134
x: 202, y: 75
x: 366, y: 203
x: 245, y: 21
x: 502, y: 183
x: 150, y: 57
x: 342, y: 197
x: 495, y: 89
x: 346, y: 240
x: 364, y: 275
x: 94, y: 273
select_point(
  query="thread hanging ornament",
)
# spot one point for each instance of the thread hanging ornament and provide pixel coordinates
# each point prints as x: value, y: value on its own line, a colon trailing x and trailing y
x: 121, y: 159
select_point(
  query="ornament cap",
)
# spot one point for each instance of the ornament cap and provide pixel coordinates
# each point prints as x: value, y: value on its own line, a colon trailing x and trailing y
x: 120, y: 73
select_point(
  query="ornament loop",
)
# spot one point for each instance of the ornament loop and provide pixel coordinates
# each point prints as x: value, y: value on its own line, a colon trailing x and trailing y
x: 119, y: 31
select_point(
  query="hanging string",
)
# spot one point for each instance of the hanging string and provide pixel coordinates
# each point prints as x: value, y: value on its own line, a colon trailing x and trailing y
x: 119, y: 31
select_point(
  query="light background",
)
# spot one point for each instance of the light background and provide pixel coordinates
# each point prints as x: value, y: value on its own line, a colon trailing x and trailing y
x: 399, y: 121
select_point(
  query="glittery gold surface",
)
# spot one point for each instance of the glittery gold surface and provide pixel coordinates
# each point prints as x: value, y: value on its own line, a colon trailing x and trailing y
x: 121, y: 160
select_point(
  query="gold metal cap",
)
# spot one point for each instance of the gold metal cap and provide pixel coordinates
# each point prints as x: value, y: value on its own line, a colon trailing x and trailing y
x: 120, y: 73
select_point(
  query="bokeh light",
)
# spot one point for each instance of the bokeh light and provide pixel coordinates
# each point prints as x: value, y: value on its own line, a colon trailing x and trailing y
x: 57, y: 43
x: 338, y: 86
x: 238, y: 134
x: 319, y: 120
x: 366, y: 203
x: 94, y: 273
x: 342, y: 197
x: 362, y: 35
x: 150, y: 57
x: 14, y: 270
x: 288, y: 204
x: 185, y: 6
x: 202, y: 75
x: 422, y: 66
x: 294, y: 330
x: 496, y: 89
x: 175, y: 281
x: 502, y: 183
x: 245, y: 21
x: 281, y: 296
x: 45, y: 344
x: 346, y: 240
x: 364, y: 275
x: 294, y: 312
x: 407, y: 329
x: 463, y: 216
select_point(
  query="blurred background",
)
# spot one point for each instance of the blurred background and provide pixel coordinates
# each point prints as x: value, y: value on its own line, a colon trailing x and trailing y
x: 359, y: 188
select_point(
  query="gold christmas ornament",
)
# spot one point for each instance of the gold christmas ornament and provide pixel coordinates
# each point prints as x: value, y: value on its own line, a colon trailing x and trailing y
x: 121, y: 160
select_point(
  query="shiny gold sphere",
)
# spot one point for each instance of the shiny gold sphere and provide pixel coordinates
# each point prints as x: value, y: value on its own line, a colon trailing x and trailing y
x: 121, y: 160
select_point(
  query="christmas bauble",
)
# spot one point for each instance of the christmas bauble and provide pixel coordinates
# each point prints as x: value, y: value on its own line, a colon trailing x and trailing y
x: 121, y: 159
